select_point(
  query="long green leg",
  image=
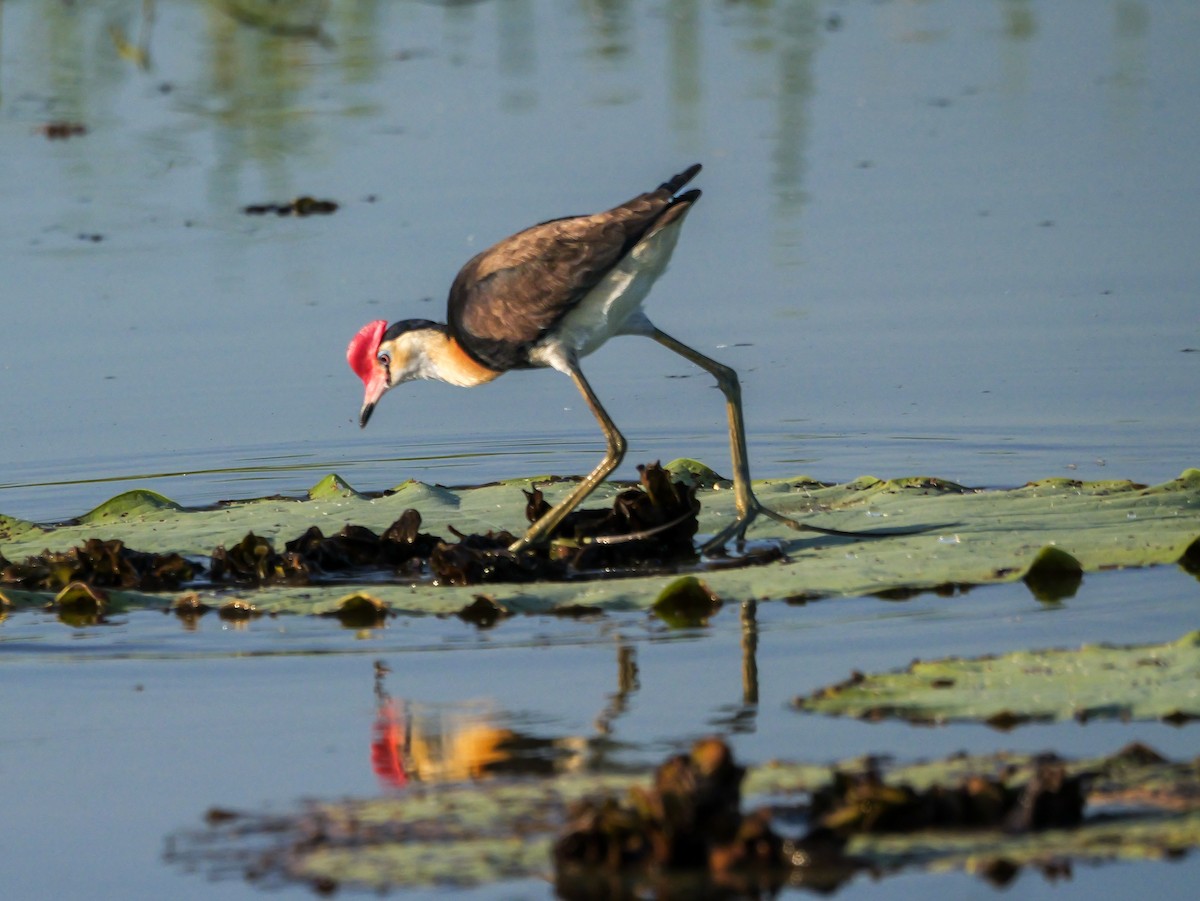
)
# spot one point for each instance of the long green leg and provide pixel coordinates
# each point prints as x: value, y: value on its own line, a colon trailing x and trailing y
x: 748, y: 506
x: 541, y: 529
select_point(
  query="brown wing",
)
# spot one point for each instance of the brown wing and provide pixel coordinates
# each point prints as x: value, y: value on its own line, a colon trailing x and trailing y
x: 507, y: 297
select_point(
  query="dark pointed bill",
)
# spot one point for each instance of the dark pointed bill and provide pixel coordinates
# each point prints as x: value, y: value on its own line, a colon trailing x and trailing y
x: 363, y: 416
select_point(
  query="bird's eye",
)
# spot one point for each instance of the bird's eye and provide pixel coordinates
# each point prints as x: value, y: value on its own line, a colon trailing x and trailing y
x: 385, y: 360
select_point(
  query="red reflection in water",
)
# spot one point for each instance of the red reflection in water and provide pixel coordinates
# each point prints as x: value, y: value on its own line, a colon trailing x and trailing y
x: 388, y: 746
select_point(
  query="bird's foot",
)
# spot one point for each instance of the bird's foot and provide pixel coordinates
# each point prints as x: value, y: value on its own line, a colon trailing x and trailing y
x: 754, y: 509
x: 737, y: 528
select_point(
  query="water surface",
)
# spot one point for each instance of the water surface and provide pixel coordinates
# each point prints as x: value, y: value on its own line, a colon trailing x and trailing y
x: 936, y: 238
x: 121, y: 736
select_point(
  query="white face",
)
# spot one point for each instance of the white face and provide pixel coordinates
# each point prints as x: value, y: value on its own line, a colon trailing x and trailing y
x: 397, y: 361
x: 403, y: 358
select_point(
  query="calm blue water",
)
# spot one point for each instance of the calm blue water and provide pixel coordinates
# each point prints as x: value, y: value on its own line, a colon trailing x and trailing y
x: 936, y: 238
x: 940, y: 238
x: 115, y: 738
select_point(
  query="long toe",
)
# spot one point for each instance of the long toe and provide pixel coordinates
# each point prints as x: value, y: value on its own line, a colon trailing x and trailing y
x: 715, y: 546
x: 779, y: 517
x: 735, y: 530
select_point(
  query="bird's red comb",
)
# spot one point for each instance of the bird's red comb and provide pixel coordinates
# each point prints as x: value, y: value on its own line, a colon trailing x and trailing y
x: 361, y: 352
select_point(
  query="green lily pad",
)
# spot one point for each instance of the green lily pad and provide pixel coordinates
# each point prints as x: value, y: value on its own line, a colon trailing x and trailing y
x: 417, y: 493
x: 686, y: 602
x: 360, y: 610
x: 485, y: 832
x: 81, y: 598
x: 118, y: 600
x: 136, y: 503
x: 12, y: 528
x: 1136, y: 682
x: 694, y: 473
x: 1054, y: 575
x: 332, y: 485
x: 970, y: 537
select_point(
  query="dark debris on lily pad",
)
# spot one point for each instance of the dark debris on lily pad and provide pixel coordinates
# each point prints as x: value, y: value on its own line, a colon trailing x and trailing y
x: 104, y: 564
x: 691, y: 819
x: 863, y: 802
x: 648, y: 528
x: 685, y: 832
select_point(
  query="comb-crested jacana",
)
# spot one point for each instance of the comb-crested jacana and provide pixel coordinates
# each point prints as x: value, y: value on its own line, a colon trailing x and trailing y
x: 546, y: 297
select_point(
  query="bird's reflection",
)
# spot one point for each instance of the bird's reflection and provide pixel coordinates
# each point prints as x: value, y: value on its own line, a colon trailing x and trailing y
x: 413, y: 742
x: 419, y: 743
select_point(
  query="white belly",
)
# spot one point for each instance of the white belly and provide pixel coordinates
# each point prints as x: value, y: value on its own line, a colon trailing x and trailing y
x: 614, y: 306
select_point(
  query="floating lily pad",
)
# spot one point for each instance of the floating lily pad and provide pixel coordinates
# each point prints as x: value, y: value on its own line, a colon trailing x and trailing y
x: 136, y: 503
x: 238, y: 610
x: 686, y: 602
x: 332, y: 485
x: 189, y: 608
x: 117, y: 600
x: 1135, y: 682
x: 971, y: 537
x: 1054, y: 575
x: 12, y: 528
x: 484, y: 612
x: 455, y: 835
x: 695, y: 473
x: 423, y: 494
x: 360, y: 611
x: 81, y: 598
